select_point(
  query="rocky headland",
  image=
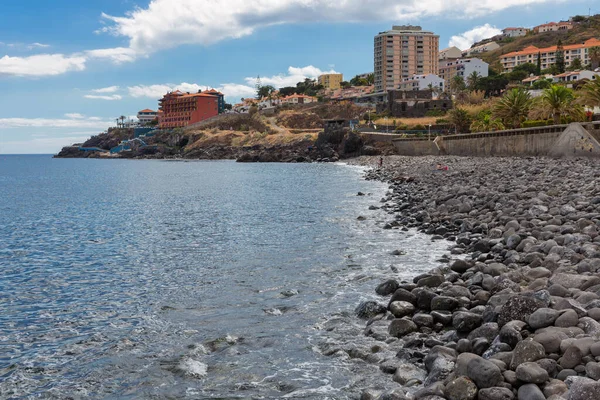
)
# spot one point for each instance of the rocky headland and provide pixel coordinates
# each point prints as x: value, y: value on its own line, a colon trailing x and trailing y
x: 513, y: 312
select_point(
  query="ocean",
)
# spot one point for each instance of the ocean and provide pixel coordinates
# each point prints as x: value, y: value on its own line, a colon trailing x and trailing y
x: 201, y: 279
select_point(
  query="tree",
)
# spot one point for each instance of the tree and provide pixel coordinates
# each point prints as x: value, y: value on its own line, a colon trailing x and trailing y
x: 122, y: 118
x: 575, y: 65
x: 538, y: 67
x: 559, y: 58
x: 461, y: 119
x: 556, y: 102
x: 529, y: 68
x: 512, y: 109
x: 228, y: 106
x: 264, y: 91
x: 484, y: 122
x: 493, y: 85
x: 542, y: 83
x: 457, y: 84
x: 358, y: 81
x: 590, y: 94
x: 371, y: 79
x: 288, y: 90
x: 345, y: 84
x: 594, y: 56
x: 472, y: 80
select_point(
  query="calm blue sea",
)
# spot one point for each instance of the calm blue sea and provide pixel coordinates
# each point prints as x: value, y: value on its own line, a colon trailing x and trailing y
x: 158, y: 279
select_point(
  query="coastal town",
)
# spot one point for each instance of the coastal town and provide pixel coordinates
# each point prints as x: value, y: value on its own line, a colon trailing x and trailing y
x: 550, y: 71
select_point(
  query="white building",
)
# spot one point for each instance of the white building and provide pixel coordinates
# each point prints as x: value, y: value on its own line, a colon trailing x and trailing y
x: 450, y: 52
x: 514, y: 32
x: 146, y: 116
x: 422, y: 82
x: 574, y: 76
x: 462, y: 67
x: 482, y: 48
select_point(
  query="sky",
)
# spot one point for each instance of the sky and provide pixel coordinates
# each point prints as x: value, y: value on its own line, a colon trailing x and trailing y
x: 69, y: 68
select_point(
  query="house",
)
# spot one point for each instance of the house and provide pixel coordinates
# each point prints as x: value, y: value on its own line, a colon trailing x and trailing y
x: 573, y: 76
x: 298, y: 99
x: 514, y: 32
x: 482, y: 48
x: 462, y: 67
x: 412, y: 104
x: 146, y: 116
x: 182, y: 109
x: 423, y: 82
x: 553, y: 27
x: 547, y: 55
x: 450, y: 52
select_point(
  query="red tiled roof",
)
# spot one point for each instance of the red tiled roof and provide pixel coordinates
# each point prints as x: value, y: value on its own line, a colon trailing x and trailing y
x: 147, y: 110
x: 534, y: 50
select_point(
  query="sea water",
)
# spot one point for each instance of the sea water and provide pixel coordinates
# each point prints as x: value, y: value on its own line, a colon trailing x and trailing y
x: 210, y: 279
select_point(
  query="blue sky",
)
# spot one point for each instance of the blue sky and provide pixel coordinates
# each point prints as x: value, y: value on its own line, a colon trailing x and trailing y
x: 69, y: 68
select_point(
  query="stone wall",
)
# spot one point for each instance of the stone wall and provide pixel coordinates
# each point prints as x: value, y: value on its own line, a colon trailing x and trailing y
x: 542, y: 141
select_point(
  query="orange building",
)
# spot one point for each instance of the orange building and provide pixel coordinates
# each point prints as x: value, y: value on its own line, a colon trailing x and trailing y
x: 548, y: 55
x: 178, y: 109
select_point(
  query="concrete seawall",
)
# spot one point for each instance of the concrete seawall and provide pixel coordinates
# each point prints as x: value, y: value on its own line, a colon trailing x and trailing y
x: 557, y: 140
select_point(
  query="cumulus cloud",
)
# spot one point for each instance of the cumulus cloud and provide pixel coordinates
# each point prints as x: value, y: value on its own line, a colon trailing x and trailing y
x: 231, y: 90
x: 53, y: 123
x: 103, y: 97
x: 169, y: 23
x: 464, y: 40
x: 41, y: 65
x: 110, y: 89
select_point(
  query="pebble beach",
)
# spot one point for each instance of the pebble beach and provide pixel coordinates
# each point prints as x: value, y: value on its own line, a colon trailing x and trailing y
x: 513, y: 310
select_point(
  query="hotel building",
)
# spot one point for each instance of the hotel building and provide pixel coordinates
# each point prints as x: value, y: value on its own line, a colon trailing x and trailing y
x: 178, y: 109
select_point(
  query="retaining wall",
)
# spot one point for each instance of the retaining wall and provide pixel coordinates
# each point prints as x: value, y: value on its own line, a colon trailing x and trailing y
x: 518, y: 142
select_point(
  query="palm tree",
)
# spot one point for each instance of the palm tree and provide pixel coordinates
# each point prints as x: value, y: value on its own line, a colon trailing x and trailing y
x: 594, y: 55
x: 590, y: 94
x: 122, y: 118
x: 473, y: 79
x: 556, y: 101
x: 370, y: 79
x: 486, y: 123
x: 461, y: 119
x: 512, y: 109
x: 457, y: 84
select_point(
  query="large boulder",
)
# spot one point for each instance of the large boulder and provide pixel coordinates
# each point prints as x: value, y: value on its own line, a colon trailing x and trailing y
x: 461, y: 388
x: 517, y: 308
x: 531, y: 372
x: 527, y: 351
x: 484, y: 373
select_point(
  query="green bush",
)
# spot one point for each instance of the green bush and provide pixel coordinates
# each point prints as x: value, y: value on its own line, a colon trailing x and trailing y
x: 442, y: 121
x: 533, y: 123
x: 419, y: 127
x: 435, y: 113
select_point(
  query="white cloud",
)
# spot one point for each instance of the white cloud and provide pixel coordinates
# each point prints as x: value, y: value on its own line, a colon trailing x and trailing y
x: 117, y: 55
x: 110, y: 89
x: 464, y: 40
x: 74, y: 116
x: 41, y: 65
x: 111, y: 97
x: 6, y: 123
x: 37, y: 46
x: 293, y: 76
x: 166, y: 24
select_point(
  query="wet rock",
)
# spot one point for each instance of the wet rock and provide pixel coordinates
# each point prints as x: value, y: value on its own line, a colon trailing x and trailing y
x: 431, y: 281
x: 460, y: 266
x: 401, y: 308
x: 443, y: 303
x: 464, y: 321
x: 422, y: 319
x: 403, y: 295
x: 386, y: 288
x: 400, y: 327
x: 461, y: 388
x: 406, y: 372
x: 369, y: 309
x: 530, y: 372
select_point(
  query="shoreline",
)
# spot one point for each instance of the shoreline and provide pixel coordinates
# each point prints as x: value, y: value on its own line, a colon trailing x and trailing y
x: 514, y: 314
